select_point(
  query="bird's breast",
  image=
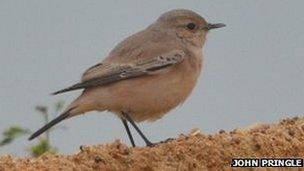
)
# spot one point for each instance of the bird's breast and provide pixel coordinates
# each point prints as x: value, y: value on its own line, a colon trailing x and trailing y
x: 150, y: 97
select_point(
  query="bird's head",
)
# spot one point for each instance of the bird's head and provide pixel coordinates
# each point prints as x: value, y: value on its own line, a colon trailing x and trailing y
x: 189, y: 26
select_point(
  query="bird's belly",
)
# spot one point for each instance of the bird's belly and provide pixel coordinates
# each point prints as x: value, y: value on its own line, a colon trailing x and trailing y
x: 149, y: 98
x: 152, y: 103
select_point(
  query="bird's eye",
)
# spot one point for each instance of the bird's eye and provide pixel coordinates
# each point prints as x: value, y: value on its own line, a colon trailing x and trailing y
x: 191, y: 26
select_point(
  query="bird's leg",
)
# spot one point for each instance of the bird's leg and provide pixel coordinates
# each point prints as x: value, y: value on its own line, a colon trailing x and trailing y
x: 125, y: 123
x: 128, y: 118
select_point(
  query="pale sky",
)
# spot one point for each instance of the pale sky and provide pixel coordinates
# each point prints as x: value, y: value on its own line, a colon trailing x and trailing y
x: 253, y: 69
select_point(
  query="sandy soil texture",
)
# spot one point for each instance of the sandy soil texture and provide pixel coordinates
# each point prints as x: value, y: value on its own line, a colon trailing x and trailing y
x: 194, y: 151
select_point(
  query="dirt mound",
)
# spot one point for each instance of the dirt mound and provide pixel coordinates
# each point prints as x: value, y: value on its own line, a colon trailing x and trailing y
x: 188, y: 152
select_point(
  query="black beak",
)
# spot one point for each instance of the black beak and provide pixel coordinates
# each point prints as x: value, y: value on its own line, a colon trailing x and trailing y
x: 214, y: 26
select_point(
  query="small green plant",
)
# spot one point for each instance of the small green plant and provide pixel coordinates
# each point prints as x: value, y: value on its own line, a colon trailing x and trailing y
x: 43, y: 145
x: 11, y: 133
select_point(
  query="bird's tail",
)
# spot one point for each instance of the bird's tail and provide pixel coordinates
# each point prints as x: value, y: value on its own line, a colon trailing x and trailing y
x: 55, y: 121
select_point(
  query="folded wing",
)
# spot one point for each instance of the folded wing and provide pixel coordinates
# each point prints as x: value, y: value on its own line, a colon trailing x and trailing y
x: 111, y: 73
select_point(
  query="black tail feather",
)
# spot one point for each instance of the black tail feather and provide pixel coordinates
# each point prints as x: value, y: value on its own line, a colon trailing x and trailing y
x: 50, y: 124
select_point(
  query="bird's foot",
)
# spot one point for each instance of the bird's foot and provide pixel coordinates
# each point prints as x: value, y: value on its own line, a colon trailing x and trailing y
x: 165, y: 141
x: 149, y: 144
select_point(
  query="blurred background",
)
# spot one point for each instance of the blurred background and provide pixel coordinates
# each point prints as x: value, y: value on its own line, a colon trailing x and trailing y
x: 253, y: 69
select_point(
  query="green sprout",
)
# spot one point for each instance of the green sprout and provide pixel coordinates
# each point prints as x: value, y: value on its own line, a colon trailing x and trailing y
x: 43, y: 145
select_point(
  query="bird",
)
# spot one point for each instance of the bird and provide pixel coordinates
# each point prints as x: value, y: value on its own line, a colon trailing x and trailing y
x: 144, y: 76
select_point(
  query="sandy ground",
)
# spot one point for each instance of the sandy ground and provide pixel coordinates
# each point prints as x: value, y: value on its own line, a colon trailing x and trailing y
x: 194, y: 151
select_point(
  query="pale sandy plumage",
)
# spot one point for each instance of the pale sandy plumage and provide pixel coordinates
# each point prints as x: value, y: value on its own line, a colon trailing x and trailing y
x: 149, y: 97
x: 149, y: 73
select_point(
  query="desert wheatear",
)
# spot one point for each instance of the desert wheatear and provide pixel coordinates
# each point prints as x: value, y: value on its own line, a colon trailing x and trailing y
x: 146, y: 75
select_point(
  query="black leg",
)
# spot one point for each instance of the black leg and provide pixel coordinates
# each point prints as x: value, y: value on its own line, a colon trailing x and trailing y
x: 148, y: 143
x: 125, y: 123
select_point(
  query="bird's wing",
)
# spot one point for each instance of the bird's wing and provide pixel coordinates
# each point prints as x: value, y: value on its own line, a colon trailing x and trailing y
x: 110, y: 73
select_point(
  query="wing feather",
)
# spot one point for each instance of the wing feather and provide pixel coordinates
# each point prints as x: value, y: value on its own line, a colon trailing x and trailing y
x: 113, y: 72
